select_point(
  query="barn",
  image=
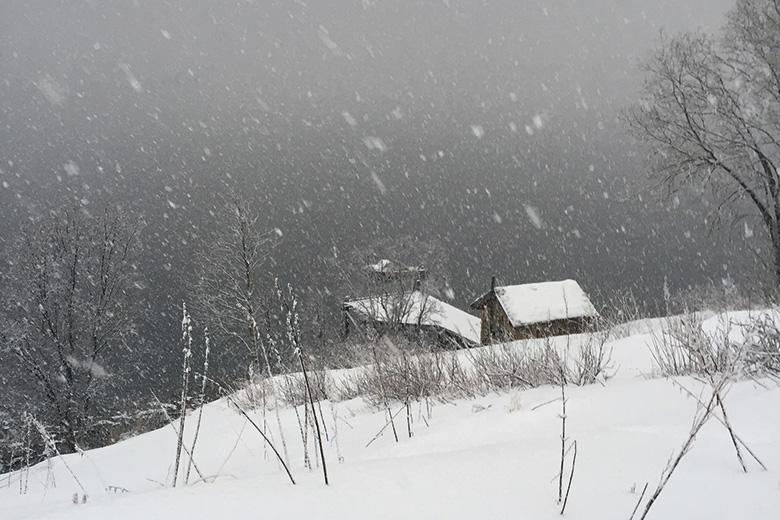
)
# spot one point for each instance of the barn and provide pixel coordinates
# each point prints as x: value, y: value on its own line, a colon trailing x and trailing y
x: 414, y: 315
x: 533, y: 310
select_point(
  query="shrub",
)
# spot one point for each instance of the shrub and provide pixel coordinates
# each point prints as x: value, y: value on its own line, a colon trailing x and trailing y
x: 761, y: 346
x: 593, y: 360
x: 292, y: 387
x: 404, y: 377
x: 750, y: 346
x: 683, y: 348
x: 510, y: 365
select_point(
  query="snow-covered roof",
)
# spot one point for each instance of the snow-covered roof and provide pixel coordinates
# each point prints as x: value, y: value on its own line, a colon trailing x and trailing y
x: 381, y: 266
x: 407, y: 309
x: 390, y: 267
x: 542, y: 302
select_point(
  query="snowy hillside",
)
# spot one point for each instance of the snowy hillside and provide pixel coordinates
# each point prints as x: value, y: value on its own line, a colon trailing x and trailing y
x: 495, y: 456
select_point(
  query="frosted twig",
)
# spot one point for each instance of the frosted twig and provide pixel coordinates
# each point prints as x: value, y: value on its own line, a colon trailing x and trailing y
x: 641, y: 496
x: 388, y: 423
x: 571, y: 477
x: 734, y: 435
x: 171, y: 423
x: 202, y: 400
x: 260, y: 431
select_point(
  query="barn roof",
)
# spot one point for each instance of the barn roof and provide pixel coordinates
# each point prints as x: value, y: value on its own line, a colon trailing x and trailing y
x: 541, y: 302
x: 408, y: 307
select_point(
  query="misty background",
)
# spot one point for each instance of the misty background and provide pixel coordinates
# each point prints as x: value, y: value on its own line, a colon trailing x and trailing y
x: 490, y: 126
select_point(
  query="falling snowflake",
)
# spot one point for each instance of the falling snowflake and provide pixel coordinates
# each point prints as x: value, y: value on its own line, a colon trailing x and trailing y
x: 375, y: 143
x: 378, y: 182
x: 131, y: 79
x: 51, y: 90
x: 71, y: 168
x: 533, y: 215
x: 351, y: 121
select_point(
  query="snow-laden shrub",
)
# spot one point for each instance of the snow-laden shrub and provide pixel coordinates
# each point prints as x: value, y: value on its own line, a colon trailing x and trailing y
x: 760, y: 345
x: 403, y: 377
x: 401, y: 374
x: 505, y: 366
x: 593, y: 360
x: 719, y: 298
x: 622, y: 315
x: 257, y: 394
x: 292, y: 387
x: 746, y: 343
x: 684, y: 348
x: 289, y: 389
x: 540, y: 362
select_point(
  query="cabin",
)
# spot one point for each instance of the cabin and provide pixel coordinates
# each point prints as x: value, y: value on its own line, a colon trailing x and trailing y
x: 387, y: 271
x: 413, y: 315
x: 533, y: 310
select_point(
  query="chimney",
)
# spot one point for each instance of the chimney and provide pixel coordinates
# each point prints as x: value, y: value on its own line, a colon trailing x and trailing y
x: 492, y: 283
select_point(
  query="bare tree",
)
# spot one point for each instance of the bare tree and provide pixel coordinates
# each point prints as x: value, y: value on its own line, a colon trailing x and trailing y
x: 231, y: 289
x: 233, y: 292
x: 389, y: 284
x: 710, y: 115
x: 68, y: 294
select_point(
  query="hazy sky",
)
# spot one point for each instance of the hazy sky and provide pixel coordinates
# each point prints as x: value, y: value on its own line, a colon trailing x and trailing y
x: 490, y: 126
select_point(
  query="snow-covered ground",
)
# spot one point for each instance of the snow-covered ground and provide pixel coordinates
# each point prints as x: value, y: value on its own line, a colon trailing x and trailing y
x: 496, y: 456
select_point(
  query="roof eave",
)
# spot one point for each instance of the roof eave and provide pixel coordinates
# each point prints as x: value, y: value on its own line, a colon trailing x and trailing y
x: 481, y: 301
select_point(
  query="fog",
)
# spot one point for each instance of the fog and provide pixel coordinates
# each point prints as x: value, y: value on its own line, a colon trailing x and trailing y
x: 490, y: 126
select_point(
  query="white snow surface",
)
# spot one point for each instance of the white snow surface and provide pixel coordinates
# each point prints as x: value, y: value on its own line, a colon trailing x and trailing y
x: 495, y: 456
x: 434, y: 313
x: 545, y: 301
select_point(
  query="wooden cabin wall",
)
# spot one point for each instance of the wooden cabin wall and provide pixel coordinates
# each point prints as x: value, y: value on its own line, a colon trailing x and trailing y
x: 553, y: 328
x: 496, y: 327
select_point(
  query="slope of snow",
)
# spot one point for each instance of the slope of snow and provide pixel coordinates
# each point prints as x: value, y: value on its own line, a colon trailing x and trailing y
x: 495, y: 456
